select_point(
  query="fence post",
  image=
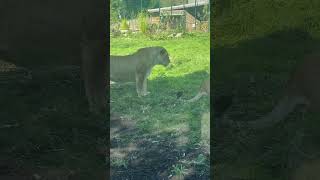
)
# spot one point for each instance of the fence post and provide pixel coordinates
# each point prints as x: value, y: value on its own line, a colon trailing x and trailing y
x: 159, y: 14
x: 184, y: 15
x: 171, y: 8
x: 171, y: 22
x: 195, y: 14
x: 209, y: 16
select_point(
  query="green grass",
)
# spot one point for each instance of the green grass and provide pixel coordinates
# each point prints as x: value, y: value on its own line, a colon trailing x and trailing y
x: 179, y: 170
x: 161, y: 113
x: 118, y: 162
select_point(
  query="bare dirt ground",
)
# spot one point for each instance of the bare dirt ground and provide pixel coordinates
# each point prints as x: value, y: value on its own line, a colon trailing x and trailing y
x: 149, y: 157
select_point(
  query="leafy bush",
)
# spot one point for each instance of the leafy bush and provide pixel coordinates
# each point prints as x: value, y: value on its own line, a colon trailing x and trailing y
x: 143, y: 22
x: 124, y: 24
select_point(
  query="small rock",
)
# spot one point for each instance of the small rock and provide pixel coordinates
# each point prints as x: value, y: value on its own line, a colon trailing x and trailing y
x: 179, y: 35
x: 36, y: 176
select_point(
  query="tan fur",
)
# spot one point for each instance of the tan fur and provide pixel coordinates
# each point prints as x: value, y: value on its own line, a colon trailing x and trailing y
x: 302, y: 88
x: 309, y: 170
x: 137, y: 66
x: 204, y: 90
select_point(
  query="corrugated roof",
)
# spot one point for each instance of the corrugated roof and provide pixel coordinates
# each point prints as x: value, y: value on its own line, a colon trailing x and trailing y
x: 199, y: 3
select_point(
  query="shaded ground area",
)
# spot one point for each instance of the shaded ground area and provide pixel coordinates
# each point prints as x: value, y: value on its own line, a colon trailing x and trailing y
x: 46, y: 130
x: 139, y: 156
x: 257, y: 71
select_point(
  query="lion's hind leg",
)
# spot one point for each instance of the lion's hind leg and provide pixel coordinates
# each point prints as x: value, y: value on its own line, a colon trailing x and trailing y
x: 94, y: 69
x: 144, y: 87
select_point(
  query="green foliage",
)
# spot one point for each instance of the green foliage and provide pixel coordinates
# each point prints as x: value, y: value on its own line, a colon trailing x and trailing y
x: 205, y: 12
x: 124, y: 24
x: 179, y: 170
x: 118, y: 162
x: 143, y: 22
x: 117, y: 7
x: 242, y: 19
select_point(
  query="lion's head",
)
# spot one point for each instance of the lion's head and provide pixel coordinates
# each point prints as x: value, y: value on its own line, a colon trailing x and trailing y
x: 162, y: 57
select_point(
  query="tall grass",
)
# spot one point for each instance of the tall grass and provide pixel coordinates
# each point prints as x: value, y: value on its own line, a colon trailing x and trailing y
x: 124, y: 25
x: 143, y: 22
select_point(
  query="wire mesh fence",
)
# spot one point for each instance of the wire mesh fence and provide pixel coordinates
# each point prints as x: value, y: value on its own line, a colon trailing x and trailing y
x: 151, y: 16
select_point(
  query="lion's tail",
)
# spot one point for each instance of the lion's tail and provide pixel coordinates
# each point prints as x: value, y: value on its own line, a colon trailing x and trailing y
x: 196, y: 97
x: 284, y: 107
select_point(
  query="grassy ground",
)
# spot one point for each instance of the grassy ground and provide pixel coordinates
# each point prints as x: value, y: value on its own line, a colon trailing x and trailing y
x: 257, y: 70
x: 53, y: 136
x: 163, y: 134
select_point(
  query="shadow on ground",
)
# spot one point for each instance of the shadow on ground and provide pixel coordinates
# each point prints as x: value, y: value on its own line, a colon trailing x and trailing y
x: 150, y: 157
x: 46, y: 130
x: 256, y: 71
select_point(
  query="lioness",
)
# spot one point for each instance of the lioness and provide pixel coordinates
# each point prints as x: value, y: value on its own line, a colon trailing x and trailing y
x: 302, y: 88
x: 204, y: 90
x: 137, y: 66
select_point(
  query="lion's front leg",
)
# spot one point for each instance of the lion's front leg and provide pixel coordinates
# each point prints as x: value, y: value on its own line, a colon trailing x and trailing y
x: 139, y: 84
x: 144, y: 87
x: 147, y: 74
